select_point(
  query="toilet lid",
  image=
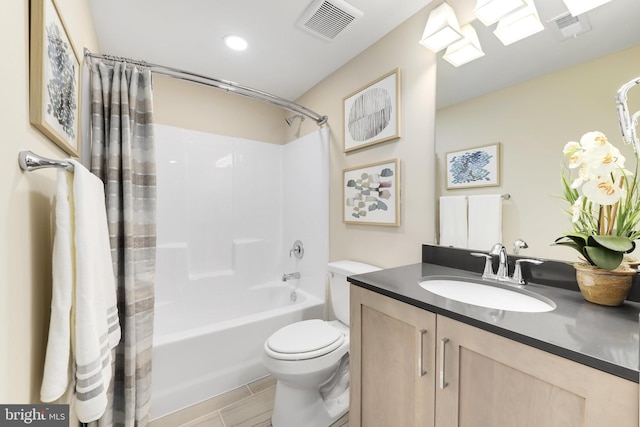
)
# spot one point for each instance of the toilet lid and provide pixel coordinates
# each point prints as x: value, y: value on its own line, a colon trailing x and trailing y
x: 304, y: 340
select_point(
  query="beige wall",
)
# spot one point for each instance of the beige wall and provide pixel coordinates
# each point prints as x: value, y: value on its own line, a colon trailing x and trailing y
x: 385, y: 246
x: 25, y: 232
x: 194, y: 106
x: 532, y: 122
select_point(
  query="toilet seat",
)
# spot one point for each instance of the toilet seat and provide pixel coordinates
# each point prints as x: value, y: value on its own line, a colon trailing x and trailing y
x: 304, y: 340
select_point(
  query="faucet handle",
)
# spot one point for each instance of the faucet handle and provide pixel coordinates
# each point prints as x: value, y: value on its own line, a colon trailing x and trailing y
x: 297, y: 250
x: 517, y: 272
x: 488, y: 266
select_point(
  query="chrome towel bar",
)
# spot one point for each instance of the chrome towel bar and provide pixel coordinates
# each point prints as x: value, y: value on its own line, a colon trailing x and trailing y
x: 29, y: 161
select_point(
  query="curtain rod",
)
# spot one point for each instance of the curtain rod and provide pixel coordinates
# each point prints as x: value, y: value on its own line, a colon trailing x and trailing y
x: 225, y: 85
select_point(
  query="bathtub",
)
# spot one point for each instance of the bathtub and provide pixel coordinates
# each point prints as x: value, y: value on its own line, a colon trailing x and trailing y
x: 199, y: 353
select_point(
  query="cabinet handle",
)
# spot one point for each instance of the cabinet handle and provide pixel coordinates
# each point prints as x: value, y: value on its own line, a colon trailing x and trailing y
x: 443, y: 343
x: 421, y: 371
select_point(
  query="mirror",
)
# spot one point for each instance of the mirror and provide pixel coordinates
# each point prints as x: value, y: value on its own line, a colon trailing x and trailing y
x: 532, y: 97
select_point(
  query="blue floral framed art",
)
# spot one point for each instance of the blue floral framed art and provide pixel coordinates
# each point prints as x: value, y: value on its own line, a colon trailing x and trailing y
x: 474, y: 167
x: 54, y: 78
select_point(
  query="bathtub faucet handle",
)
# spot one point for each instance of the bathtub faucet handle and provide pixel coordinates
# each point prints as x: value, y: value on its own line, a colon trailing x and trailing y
x: 297, y: 250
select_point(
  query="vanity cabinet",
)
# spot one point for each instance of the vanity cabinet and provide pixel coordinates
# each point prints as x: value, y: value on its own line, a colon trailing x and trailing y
x: 489, y: 380
x: 472, y: 378
x: 392, y: 363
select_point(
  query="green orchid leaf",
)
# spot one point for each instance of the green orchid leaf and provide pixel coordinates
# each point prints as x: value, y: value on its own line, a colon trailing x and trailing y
x: 569, y: 244
x: 574, y: 240
x: 579, y: 238
x: 603, y: 257
x: 614, y: 243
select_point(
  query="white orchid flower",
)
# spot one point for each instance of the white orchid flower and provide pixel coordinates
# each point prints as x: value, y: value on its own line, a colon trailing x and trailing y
x: 576, y: 209
x: 573, y: 151
x: 602, y: 191
x: 591, y: 140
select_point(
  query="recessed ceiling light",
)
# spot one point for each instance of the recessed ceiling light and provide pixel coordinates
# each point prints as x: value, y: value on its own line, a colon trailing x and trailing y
x: 235, y: 42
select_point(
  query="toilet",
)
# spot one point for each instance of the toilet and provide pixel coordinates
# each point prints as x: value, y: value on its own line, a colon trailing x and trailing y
x: 310, y: 359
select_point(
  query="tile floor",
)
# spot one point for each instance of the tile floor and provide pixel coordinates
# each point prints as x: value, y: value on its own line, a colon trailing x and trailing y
x: 246, y: 406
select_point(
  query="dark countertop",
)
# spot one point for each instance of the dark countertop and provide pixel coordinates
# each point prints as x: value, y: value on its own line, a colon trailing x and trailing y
x: 605, y: 338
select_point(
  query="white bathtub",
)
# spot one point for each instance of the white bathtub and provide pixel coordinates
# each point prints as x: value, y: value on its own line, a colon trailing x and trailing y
x: 199, y: 353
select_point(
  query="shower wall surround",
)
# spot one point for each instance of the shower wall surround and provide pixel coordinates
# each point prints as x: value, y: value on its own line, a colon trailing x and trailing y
x: 229, y: 210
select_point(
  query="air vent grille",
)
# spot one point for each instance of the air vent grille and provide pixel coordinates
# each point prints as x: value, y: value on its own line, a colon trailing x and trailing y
x: 327, y: 19
x: 566, y: 21
x: 567, y: 26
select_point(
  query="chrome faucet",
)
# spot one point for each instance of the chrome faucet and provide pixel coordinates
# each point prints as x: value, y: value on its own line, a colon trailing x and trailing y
x: 290, y: 276
x: 503, y: 266
x: 502, y: 275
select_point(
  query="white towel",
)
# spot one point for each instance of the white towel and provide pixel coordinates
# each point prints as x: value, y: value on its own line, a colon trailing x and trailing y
x: 485, y: 221
x: 453, y: 221
x: 56, y: 365
x: 84, y: 302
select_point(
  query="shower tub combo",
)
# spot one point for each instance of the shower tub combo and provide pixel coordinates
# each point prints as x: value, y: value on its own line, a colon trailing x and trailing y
x: 222, y: 249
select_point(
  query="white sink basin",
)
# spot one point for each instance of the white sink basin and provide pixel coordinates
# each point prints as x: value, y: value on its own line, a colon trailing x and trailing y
x: 488, y: 295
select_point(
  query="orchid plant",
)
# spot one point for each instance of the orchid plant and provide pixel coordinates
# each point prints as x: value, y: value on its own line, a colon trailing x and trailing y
x: 604, y: 201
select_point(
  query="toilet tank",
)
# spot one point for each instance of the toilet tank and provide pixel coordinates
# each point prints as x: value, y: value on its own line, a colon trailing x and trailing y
x: 339, y: 287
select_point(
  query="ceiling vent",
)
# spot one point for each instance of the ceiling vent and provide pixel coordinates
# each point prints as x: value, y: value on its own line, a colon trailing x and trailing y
x: 567, y: 26
x: 328, y: 18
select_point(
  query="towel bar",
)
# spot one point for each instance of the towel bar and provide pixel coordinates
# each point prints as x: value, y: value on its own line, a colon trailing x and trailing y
x: 29, y: 161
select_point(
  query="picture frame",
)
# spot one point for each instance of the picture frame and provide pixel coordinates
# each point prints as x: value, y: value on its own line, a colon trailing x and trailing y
x: 371, y: 114
x: 371, y: 194
x: 474, y: 167
x: 54, y: 78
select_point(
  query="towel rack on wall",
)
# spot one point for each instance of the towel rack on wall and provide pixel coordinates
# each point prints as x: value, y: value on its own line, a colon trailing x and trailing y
x: 29, y: 161
x: 505, y: 196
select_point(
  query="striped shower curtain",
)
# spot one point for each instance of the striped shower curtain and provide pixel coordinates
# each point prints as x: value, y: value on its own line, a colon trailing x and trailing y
x: 123, y: 156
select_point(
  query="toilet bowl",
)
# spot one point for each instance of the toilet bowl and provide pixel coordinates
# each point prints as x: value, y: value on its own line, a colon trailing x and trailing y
x: 310, y: 360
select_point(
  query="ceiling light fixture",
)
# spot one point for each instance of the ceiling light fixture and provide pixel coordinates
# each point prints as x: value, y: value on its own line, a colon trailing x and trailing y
x: 442, y: 28
x: 235, y: 42
x: 491, y: 11
x: 577, y: 7
x: 464, y: 50
x: 519, y: 25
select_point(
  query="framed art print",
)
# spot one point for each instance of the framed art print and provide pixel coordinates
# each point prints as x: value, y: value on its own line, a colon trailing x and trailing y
x: 371, y: 194
x: 371, y: 114
x: 474, y: 167
x: 54, y: 78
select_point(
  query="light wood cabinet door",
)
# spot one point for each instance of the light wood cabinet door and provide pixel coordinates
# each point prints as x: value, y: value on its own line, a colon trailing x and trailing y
x: 493, y: 381
x: 392, y: 362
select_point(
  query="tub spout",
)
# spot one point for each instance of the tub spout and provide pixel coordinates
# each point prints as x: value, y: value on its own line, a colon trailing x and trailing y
x: 290, y: 276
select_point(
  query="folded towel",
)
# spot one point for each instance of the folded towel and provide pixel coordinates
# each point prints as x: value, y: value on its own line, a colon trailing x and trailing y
x: 453, y: 221
x: 82, y: 248
x: 485, y: 221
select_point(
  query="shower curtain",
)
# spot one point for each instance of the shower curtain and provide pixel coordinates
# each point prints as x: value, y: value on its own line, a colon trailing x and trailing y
x: 123, y: 156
